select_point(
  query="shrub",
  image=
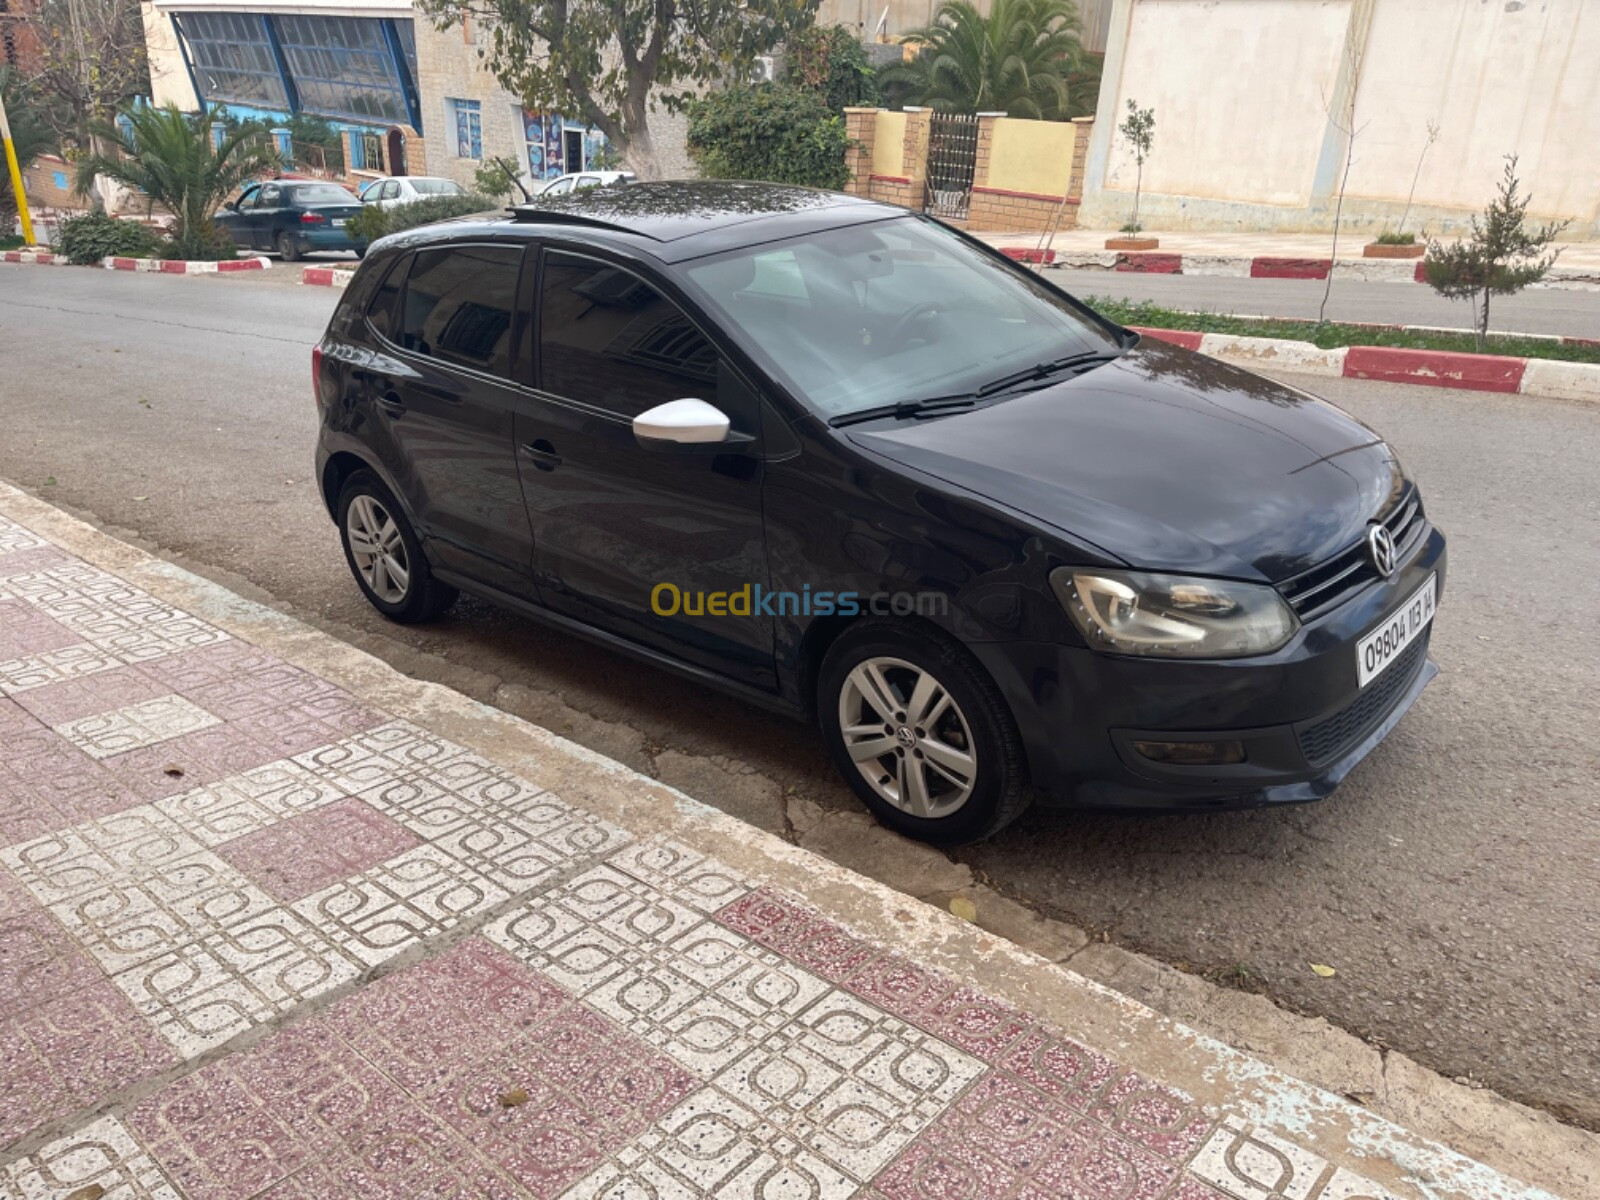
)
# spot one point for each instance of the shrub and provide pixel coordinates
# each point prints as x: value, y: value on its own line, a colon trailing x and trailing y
x: 1390, y: 238
x: 373, y: 222
x: 771, y: 132
x: 86, y: 239
x: 830, y: 60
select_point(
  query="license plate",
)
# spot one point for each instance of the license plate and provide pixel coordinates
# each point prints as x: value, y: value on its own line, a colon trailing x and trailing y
x: 338, y: 222
x: 1376, y: 652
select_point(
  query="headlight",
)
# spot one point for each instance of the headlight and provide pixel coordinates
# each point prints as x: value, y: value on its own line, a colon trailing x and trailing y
x: 1173, y: 616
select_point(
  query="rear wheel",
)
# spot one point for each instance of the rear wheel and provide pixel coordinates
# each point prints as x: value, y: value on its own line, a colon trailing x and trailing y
x: 287, y: 250
x: 921, y: 733
x: 385, y: 556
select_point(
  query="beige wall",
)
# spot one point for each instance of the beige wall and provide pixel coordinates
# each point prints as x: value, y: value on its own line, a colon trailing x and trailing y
x: 1031, y: 156
x: 1242, y: 91
x: 888, y: 145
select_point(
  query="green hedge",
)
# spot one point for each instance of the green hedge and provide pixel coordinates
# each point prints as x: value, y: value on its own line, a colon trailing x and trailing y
x: 769, y: 132
x: 373, y: 222
x: 86, y: 239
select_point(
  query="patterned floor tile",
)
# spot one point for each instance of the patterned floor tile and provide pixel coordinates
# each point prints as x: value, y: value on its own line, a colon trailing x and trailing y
x: 25, y: 630
x: 699, y: 992
x: 422, y: 893
x: 72, y: 700
x: 101, y: 1160
x: 136, y: 726
x: 688, y: 877
x: 294, y: 857
x: 66, y: 1052
x: 1246, y: 1163
x: 247, y: 802
x: 18, y: 675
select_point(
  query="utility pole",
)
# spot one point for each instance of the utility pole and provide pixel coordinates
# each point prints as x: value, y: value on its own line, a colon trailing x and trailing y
x: 15, y: 168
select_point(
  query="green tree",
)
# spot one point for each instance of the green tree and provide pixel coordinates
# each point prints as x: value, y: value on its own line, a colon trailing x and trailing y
x: 169, y: 157
x: 31, y: 136
x: 831, y: 61
x: 1140, y: 130
x: 772, y: 132
x: 91, y: 61
x: 1024, y: 59
x: 609, y: 63
x: 1500, y: 258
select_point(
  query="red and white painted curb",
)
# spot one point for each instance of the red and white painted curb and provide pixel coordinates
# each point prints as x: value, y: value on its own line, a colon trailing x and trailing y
x: 42, y: 258
x: 1368, y: 270
x: 183, y: 266
x: 1389, y: 364
x: 327, y: 276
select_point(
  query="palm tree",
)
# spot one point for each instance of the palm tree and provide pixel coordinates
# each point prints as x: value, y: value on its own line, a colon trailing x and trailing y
x: 168, y: 155
x: 1024, y: 59
x: 30, y: 137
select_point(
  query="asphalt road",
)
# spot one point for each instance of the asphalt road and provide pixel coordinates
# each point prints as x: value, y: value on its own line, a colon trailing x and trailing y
x: 1451, y: 881
x: 1539, y: 310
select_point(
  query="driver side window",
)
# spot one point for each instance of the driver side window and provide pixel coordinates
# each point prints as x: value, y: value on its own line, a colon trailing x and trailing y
x: 247, y: 198
x: 268, y: 196
x: 559, y: 188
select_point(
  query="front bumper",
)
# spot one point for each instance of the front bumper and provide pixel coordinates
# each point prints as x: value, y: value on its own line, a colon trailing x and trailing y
x: 1300, y: 711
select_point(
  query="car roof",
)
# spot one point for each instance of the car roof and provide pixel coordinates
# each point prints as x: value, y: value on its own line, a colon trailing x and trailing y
x: 682, y: 219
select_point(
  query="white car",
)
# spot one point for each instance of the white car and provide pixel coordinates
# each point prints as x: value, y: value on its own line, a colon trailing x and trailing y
x: 578, y: 180
x: 408, y: 189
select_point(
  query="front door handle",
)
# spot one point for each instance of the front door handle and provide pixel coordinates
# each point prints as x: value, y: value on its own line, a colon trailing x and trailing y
x: 542, y: 454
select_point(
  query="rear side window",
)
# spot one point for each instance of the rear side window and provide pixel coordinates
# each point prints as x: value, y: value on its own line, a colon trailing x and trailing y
x: 380, y: 313
x: 609, y: 339
x: 458, y: 305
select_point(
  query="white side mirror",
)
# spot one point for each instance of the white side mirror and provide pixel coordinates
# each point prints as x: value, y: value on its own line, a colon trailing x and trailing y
x: 687, y: 422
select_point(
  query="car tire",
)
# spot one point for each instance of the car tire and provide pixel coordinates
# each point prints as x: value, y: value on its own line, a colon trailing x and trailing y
x: 287, y: 250
x: 385, y: 556
x: 971, y: 735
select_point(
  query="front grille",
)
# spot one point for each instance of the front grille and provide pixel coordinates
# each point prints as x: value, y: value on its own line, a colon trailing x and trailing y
x: 1329, y: 584
x: 1330, y: 737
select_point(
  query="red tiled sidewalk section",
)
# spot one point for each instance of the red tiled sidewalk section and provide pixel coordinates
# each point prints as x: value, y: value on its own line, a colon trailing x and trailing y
x: 260, y: 941
x: 178, y: 266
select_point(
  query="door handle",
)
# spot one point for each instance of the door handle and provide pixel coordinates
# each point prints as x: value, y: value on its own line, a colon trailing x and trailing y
x: 391, y: 403
x: 542, y: 454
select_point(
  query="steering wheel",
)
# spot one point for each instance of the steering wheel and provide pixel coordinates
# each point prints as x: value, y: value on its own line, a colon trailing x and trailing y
x: 902, y: 327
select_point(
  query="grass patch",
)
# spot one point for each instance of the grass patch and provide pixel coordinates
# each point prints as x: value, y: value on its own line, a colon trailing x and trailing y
x: 1331, y: 335
x: 14, y: 242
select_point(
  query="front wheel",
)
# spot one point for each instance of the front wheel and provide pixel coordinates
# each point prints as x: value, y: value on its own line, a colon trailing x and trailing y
x: 385, y: 555
x: 921, y: 733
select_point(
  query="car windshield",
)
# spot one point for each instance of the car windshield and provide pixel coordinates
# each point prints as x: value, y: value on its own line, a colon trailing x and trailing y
x: 891, y: 312
x: 438, y: 187
x: 322, y: 193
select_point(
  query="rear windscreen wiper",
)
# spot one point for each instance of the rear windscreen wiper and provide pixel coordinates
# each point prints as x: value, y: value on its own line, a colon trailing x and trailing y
x: 1043, y: 371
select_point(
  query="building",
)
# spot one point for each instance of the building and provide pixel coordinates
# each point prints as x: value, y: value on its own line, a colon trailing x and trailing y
x: 1253, y: 100
x: 407, y: 98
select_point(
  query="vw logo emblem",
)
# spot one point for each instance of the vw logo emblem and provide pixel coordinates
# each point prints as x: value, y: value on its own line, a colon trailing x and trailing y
x: 905, y: 736
x: 1380, y: 544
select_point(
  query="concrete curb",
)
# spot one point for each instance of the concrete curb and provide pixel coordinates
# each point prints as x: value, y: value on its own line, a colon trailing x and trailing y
x: 1370, y: 270
x: 1104, y: 995
x: 39, y: 258
x: 1550, y: 378
x: 327, y: 276
x: 180, y: 266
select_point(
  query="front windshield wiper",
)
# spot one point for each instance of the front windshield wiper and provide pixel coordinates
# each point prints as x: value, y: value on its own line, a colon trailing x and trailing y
x: 1042, y: 371
x: 903, y: 409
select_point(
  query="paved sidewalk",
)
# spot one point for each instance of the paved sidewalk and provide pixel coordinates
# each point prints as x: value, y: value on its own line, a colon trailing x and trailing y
x: 1581, y: 255
x: 300, y: 934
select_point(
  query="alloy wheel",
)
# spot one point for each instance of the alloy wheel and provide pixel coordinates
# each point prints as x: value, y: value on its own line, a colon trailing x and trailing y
x: 378, y: 549
x: 907, y: 736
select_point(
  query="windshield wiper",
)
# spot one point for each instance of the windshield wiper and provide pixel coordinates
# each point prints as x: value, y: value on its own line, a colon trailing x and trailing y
x: 909, y: 408
x: 1042, y: 371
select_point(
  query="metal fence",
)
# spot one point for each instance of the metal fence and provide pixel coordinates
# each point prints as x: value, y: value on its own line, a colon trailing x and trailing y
x: 952, y: 158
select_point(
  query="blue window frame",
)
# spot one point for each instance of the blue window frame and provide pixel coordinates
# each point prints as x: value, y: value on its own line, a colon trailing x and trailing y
x: 233, y: 58
x: 342, y: 67
x: 467, y: 117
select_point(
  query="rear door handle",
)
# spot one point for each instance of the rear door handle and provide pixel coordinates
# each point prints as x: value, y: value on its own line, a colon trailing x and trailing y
x: 542, y: 454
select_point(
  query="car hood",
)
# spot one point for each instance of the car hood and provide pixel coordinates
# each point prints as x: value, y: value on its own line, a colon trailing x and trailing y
x: 1166, y: 460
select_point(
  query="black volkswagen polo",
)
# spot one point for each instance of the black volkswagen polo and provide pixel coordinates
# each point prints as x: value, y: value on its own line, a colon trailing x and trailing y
x: 841, y: 460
